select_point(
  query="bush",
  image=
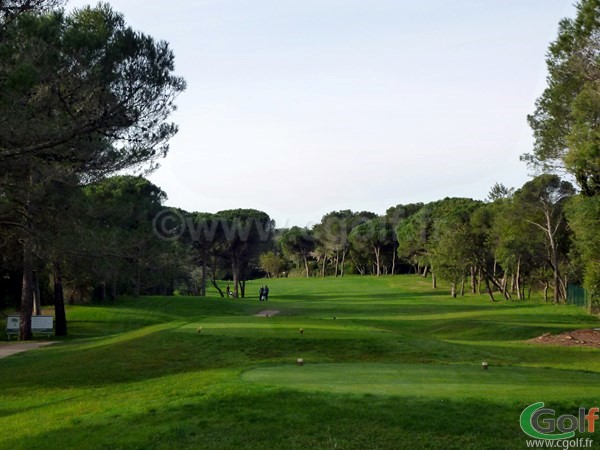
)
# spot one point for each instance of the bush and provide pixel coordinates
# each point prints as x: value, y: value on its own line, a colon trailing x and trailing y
x: 297, y: 273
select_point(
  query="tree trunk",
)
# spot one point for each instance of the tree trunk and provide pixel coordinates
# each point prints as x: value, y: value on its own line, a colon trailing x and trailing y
x: 556, y: 285
x: 337, y: 262
x: 377, y: 260
x: 518, y: 280
x: 138, y: 280
x: 306, y: 265
x: 394, y: 262
x: 323, y: 267
x: 243, y: 276
x: 563, y: 288
x: 462, y: 287
x: 343, y: 262
x: 26, y: 291
x: 473, y: 281
x: 479, y: 281
x: 103, y: 291
x: 433, y: 280
x: 203, y: 277
x: 236, y: 277
x: 488, y: 288
x: 497, y: 283
x: 59, y: 302
x: 553, y: 258
x: 113, y: 288
x: 453, y: 290
x: 361, y: 271
x: 37, y: 300
x: 504, y: 284
x: 216, y: 286
x: 546, y: 290
x: 425, y: 271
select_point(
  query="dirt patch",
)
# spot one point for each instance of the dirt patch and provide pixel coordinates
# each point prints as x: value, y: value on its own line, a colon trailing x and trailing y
x: 11, y: 349
x: 267, y: 313
x: 582, y: 338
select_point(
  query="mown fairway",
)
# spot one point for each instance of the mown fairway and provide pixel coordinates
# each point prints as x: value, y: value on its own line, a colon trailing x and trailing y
x: 399, y: 367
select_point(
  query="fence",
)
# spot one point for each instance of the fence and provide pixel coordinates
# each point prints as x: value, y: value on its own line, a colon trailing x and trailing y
x: 576, y: 295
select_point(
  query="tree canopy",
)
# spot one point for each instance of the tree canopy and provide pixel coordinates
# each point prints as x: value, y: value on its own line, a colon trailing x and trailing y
x: 82, y: 95
x: 566, y: 118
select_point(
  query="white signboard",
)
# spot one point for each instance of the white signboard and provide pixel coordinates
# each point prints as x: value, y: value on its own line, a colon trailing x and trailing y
x: 12, y: 323
x: 42, y: 324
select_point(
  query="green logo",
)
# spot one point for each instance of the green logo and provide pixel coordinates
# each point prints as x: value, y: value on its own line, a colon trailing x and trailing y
x: 540, y: 423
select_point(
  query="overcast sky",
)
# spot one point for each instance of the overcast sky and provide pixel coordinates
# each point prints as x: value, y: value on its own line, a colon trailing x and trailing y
x: 301, y: 107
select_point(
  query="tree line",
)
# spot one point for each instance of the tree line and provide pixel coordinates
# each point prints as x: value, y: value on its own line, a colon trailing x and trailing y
x: 118, y: 237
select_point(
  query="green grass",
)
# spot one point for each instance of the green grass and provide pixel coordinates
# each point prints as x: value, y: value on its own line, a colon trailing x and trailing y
x: 432, y: 380
x: 398, y: 367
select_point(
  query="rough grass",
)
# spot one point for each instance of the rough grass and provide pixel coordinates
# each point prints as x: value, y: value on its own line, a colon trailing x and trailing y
x: 390, y: 363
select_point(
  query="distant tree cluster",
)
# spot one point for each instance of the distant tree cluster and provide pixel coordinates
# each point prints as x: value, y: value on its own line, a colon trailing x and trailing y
x: 515, y: 242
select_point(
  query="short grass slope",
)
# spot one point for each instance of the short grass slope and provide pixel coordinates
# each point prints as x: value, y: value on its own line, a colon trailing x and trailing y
x: 389, y: 363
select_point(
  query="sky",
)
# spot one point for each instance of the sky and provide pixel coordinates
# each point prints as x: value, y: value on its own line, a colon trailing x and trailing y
x: 302, y: 107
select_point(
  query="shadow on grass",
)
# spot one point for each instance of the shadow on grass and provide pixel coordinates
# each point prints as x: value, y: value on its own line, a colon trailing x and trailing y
x: 285, y: 419
x: 5, y: 412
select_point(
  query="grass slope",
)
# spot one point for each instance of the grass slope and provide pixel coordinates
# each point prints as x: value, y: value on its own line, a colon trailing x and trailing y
x: 398, y: 367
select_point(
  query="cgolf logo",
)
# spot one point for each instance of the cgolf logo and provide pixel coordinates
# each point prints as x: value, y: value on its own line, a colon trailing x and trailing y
x: 540, y: 423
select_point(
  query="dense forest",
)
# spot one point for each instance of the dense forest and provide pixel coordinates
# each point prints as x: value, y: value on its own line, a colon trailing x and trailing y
x: 83, y: 98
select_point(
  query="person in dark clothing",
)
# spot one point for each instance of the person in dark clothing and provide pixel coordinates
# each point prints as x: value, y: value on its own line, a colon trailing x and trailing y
x: 261, y: 293
x: 266, y: 292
